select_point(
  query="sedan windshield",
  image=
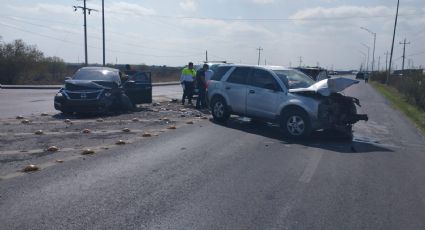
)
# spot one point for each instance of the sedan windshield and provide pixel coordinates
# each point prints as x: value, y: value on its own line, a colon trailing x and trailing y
x: 96, y: 75
x: 294, y: 79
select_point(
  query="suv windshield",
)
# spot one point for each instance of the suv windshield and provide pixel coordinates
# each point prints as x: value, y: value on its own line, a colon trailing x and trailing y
x: 96, y: 75
x: 294, y: 79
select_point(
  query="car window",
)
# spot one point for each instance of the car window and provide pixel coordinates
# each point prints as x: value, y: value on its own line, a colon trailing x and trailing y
x: 139, y: 76
x: 262, y: 79
x: 239, y: 75
x: 219, y: 72
x: 294, y: 79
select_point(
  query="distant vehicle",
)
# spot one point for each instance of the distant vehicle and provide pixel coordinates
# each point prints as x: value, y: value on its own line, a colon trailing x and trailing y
x: 316, y: 73
x: 362, y: 75
x: 285, y: 96
x: 100, y: 89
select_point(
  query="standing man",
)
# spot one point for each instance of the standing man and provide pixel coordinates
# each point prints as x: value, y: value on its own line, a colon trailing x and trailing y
x: 201, y: 84
x: 186, y: 79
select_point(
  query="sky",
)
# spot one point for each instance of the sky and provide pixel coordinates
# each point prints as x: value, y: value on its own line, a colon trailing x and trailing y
x: 173, y: 32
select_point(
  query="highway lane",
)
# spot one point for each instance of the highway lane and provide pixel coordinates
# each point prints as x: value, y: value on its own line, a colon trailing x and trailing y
x: 15, y: 102
x: 238, y: 176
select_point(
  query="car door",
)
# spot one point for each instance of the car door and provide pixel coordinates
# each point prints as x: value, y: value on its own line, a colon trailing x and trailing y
x: 262, y: 94
x: 235, y: 88
x: 139, y: 87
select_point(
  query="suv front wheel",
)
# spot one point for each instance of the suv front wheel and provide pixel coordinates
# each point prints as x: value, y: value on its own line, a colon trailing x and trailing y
x: 219, y: 109
x: 295, y: 124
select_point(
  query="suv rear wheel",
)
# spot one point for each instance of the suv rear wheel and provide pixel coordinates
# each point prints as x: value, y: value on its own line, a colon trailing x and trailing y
x: 296, y: 124
x: 219, y: 109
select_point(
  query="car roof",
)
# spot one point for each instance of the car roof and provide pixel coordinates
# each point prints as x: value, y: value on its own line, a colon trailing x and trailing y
x: 269, y: 67
x: 99, y: 68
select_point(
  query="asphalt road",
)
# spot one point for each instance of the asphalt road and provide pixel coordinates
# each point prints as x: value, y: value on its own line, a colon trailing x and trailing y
x: 239, y: 176
x: 24, y: 102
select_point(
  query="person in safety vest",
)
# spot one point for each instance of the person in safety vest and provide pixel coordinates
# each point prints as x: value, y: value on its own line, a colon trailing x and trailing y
x: 187, y: 79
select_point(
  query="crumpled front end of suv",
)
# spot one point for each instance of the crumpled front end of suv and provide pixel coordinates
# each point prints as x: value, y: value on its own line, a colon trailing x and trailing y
x: 335, y: 111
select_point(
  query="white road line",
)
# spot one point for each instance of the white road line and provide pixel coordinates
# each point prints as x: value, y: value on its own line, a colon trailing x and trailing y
x: 311, y: 167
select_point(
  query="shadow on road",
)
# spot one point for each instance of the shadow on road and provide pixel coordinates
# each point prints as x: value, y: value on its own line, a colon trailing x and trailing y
x: 328, y: 140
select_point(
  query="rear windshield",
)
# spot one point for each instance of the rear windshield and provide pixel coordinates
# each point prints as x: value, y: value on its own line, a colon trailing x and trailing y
x: 96, y: 75
x: 294, y: 79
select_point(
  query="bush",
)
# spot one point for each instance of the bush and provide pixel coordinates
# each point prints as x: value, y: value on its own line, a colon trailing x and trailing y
x: 411, y: 85
x: 25, y: 64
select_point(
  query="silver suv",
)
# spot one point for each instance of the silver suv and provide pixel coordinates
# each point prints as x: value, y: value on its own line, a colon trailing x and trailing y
x: 285, y: 96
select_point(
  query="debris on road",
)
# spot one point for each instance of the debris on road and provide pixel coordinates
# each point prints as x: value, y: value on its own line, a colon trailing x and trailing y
x: 31, y: 168
x: 88, y: 152
x: 39, y: 132
x: 74, y: 132
x: 52, y: 149
x: 120, y: 142
x: 26, y: 121
x: 86, y: 131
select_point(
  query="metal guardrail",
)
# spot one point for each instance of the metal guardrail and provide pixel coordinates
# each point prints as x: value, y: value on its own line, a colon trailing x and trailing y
x: 60, y: 86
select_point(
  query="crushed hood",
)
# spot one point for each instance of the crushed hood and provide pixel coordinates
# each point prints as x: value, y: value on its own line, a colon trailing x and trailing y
x: 327, y: 86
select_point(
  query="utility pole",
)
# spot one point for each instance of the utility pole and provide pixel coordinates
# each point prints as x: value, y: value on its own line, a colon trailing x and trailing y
x: 386, y: 61
x: 374, y: 43
x: 379, y: 63
x: 301, y: 60
x: 103, y: 29
x: 85, y: 10
x: 265, y: 61
x: 206, y: 56
x: 404, y: 52
x: 368, y: 52
x: 259, y: 54
x: 392, y: 45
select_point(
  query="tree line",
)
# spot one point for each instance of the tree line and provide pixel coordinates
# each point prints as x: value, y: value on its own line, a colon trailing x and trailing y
x: 21, y: 63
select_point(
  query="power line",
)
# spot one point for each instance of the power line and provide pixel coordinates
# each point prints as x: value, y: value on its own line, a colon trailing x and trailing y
x: 95, y: 47
x: 278, y: 19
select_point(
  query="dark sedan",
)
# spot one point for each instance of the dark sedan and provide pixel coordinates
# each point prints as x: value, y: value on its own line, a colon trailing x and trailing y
x: 100, y: 89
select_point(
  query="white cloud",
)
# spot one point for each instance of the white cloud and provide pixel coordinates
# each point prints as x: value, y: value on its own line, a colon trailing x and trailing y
x: 343, y: 11
x: 43, y: 8
x: 262, y: 1
x: 188, y: 5
x: 130, y: 8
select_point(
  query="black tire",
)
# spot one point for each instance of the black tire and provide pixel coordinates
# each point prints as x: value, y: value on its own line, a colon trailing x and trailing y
x: 219, y: 109
x: 296, y: 124
x: 126, y: 103
x: 67, y: 112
